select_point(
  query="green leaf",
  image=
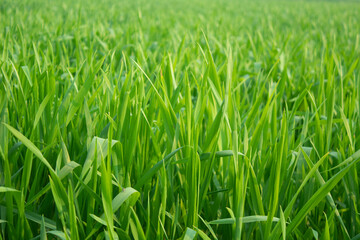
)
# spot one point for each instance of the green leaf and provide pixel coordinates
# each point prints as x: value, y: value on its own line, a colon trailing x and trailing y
x: 42, y: 229
x: 326, y: 233
x: 7, y: 189
x: 30, y: 146
x: 189, y: 234
x: 41, y: 109
x: 202, y: 234
x: 283, y: 224
x: 247, y: 219
x: 102, y: 147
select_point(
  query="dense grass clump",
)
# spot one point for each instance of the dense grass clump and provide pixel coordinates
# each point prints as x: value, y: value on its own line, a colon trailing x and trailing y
x: 203, y: 119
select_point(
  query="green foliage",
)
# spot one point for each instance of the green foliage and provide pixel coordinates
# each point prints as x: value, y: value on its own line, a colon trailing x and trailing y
x: 201, y: 119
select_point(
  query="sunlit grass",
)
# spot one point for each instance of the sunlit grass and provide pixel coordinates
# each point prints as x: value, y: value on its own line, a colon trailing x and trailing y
x: 160, y: 119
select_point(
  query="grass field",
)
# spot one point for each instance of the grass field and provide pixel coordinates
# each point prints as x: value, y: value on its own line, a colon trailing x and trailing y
x: 203, y: 119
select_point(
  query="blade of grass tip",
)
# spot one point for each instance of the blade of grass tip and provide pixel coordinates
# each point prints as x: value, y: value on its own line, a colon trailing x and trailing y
x: 283, y: 223
x: 42, y: 108
x: 42, y: 229
x: 326, y: 233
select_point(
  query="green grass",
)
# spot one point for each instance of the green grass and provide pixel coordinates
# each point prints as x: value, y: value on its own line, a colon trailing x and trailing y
x: 202, y: 119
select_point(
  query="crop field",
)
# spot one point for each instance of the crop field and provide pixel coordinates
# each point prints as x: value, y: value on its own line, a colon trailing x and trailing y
x: 194, y: 119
